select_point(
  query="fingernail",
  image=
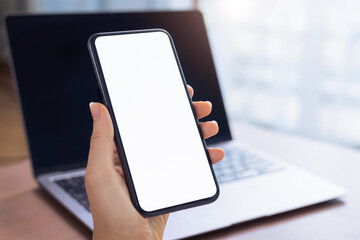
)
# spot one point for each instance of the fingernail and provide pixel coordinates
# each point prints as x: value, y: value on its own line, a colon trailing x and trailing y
x: 95, y: 110
x: 209, y: 103
x: 215, y: 122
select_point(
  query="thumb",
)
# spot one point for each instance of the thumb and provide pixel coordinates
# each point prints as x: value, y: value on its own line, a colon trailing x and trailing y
x: 102, y: 140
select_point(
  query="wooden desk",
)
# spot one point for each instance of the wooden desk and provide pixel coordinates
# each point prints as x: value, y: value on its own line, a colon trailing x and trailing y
x: 26, y: 212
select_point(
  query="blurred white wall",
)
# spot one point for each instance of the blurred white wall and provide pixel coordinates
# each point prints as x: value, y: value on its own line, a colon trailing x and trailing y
x: 106, y: 5
x: 5, y: 6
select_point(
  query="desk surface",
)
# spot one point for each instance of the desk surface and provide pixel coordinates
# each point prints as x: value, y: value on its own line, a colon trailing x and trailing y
x: 26, y: 212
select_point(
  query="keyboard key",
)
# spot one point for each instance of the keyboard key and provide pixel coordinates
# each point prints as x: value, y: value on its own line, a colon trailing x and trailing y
x: 76, y: 188
x: 239, y: 163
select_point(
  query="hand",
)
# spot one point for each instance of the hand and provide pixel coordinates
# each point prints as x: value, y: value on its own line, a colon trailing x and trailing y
x: 113, y: 213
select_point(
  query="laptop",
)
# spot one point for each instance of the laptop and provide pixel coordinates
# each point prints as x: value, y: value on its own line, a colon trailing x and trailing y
x: 55, y: 83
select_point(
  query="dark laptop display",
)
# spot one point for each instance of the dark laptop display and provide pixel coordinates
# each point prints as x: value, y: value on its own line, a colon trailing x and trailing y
x: 56, y: 81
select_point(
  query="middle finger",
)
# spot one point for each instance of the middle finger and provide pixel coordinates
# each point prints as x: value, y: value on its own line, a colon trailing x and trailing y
x: 209, y: 128
x: 202, y: 109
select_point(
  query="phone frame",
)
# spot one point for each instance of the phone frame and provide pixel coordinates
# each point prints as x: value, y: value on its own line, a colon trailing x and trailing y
x: 117, y: 136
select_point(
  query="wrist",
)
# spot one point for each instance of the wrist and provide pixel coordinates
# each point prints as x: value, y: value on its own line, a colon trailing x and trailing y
x: 125, y: 234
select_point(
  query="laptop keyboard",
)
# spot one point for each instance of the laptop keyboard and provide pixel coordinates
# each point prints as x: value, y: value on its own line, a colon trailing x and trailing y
x: 237, y: 164
x: 75, y: 186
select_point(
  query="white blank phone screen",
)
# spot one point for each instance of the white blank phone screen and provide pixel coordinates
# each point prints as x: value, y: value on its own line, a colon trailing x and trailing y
x: 165, y: 154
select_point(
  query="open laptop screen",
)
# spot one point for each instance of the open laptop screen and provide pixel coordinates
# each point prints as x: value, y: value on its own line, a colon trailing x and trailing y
x: 56, y: 81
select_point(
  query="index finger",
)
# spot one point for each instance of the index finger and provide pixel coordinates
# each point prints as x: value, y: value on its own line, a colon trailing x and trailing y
x: 191, y: 91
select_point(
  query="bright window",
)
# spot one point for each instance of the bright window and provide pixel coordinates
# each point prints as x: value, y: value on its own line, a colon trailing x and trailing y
x: 292, y: 65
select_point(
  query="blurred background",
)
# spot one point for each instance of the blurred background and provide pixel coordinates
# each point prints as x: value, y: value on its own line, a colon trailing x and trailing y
x: 289, y: 65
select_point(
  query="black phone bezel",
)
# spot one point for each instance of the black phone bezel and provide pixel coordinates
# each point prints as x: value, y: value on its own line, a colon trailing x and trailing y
x: 106, y: 99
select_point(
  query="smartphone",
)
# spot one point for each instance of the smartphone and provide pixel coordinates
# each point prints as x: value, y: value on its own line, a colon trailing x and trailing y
x: 163, y: 154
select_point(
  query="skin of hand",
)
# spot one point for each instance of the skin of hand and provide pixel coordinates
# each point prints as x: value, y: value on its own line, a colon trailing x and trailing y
x: 113, y: 213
